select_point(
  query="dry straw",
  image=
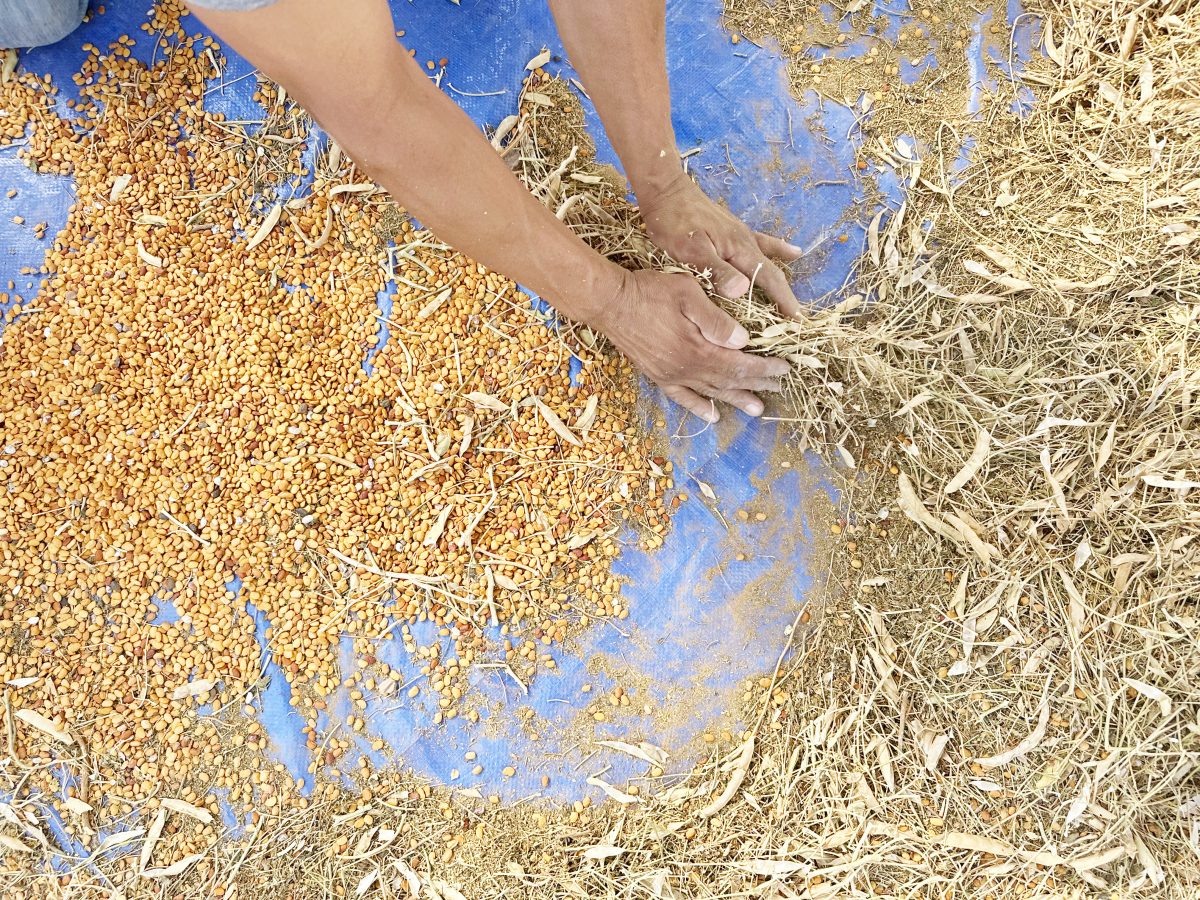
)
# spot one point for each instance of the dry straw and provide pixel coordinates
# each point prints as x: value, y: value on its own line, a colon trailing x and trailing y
x: 1014, y: 707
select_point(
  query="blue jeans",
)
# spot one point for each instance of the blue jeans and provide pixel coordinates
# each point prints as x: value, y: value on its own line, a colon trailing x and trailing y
x: 32, y: 23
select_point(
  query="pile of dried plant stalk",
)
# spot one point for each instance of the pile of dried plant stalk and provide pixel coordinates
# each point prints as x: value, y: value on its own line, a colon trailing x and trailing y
x: 1015, y: 705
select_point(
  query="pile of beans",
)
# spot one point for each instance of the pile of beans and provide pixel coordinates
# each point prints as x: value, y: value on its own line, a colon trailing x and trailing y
x: 186, y: 407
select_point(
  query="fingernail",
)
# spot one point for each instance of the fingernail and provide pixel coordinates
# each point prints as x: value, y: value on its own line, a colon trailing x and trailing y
x: 739, y: 339
x: 754, y: 409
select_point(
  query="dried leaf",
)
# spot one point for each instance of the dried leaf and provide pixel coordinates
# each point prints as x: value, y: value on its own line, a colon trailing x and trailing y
x: 974, y: 462
x: 366, y: 883
x: 912, y: 506
x: 1004, y: 199
x: 538, y: 61
x: 433, y: 305
x: 1052, y: 50
x: 580, y: 540
x: 740, y: 766
x: 196, y: 812
x: 176, y: 868
x: 447, y: 891
x: 618, y: 795
x: 15, y: 844
x: 873, y: 237
x: 772, y: 868
x: 505, y: 582
x: 960, y: 840
x: 656, y: 756
x: 486, y: 401
x: 1150, y: 692
x: 1051, y: 774
x: 557, y: 424
x: 192, y: 688
x: 411, y: 879
x: 468, y: 430
x: 264, y: 229
x: 1096, y: 860
x: 1173, y: 484
x: 884, y: 754
x: 1056, y: 490
x: 982, y: 784
x: 118, y: 187
x: 1008, y: 281
x: 602, y: 851
x: 77, y: 806
x: 912, y: 404
x: 147, y: 257
x: 438, y: 526
x: 584, y: 423
x: 45, y: 726
x: 360, y: 188
x: 1150, y: 865
x: 1082, y: 554
x: 1076, y: 608
x: 1040, y: 655
x: 9, y: 67
x: 934, y: 745
x: 118, y: 839
x: 152, y: 837
x: 506, y: 125
x: 1027, y: 744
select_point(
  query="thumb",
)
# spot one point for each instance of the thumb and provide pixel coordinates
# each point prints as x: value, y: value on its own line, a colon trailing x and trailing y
x: 717, y: 326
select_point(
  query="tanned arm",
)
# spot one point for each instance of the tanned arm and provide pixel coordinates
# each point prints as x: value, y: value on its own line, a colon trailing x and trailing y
x: 342, y: 63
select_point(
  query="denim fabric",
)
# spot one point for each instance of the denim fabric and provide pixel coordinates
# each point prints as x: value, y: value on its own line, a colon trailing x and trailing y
x: 32, y: 23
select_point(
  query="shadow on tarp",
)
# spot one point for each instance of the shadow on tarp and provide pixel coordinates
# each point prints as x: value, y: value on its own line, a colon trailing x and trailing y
x: 785, y: 166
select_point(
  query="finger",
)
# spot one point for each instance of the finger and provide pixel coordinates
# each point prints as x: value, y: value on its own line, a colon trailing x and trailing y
x: 729, y: 282
x: 770, y: 279
x: 777, y: 248
x: 775, y: 285
x: 743, y: 400
x: 717, y: 326
x: 700, y: 407
x: 738, y: 369
x: 761, y: 385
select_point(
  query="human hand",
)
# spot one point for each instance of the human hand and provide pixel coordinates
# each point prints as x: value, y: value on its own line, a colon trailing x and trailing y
x: 682, y: 220
x: 686, y: 345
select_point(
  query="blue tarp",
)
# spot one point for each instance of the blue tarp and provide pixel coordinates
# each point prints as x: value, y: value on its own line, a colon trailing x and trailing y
x: 695, y: 631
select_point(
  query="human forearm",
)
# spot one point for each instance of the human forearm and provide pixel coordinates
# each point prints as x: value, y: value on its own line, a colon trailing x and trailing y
x: 365, y: 89
x: 451, y: 179
x: 619, y: 47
